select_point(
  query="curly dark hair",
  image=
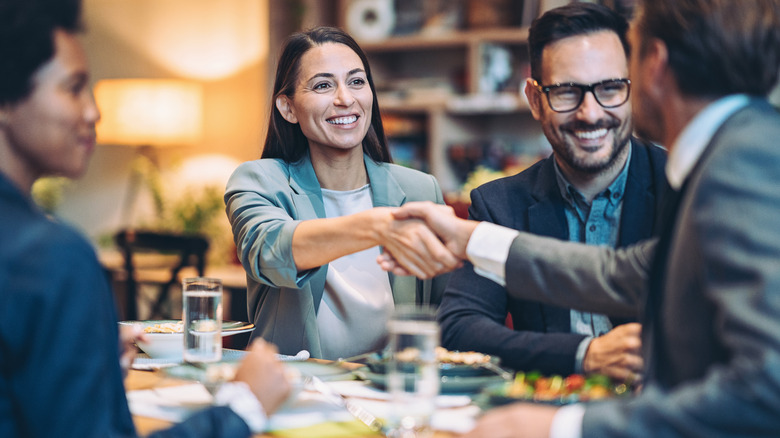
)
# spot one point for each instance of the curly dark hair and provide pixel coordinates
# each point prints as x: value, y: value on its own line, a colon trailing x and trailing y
x: 285, y: 140
x: 27, y: 40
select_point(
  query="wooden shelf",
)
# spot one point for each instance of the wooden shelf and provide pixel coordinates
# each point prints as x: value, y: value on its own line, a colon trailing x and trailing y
x: 454, y: 39
x: 445, y: 83
x: 475, y: 104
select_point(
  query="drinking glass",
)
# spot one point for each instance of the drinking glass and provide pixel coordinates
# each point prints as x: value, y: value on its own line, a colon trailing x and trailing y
x: 202, y: 314
x: 413, y: 371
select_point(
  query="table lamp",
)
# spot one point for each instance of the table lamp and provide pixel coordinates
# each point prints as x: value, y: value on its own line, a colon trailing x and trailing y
x: 153, y: 112
x: 148, y: 114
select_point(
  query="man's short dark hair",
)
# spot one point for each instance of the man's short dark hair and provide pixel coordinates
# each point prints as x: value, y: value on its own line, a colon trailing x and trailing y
x: 27, y: 40
x: 716, y: 47
x: 571, y: 20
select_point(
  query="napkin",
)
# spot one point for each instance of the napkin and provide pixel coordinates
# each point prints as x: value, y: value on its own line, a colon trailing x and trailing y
x: 175, y: 403
x: 362, y: 389
x: 308, y: 409
x: 454, y: 413
x: 172, y: 403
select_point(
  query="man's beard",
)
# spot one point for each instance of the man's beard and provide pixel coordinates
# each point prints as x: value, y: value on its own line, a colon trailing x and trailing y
x: 568, y: 152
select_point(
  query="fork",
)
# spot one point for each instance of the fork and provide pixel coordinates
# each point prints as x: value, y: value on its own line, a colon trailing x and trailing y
x: 355, y: 409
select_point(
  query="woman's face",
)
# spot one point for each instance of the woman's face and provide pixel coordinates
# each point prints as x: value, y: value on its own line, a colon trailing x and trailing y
x: 332, y: 100
x: 52, y: 131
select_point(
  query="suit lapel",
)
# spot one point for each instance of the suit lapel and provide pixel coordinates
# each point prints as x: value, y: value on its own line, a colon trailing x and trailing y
x: 638, y: 212
x: 307, y: 198
x: 307, y: 192
x: 653, y: 348
x: 385, y: 190
x: 546, y: 218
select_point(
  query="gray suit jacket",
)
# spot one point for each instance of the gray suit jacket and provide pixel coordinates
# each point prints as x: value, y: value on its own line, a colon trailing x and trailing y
x: 266, y: 199
x: 712, y: 332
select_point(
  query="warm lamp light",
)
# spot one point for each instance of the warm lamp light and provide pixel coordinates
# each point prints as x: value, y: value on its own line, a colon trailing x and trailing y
x: 156, y: 112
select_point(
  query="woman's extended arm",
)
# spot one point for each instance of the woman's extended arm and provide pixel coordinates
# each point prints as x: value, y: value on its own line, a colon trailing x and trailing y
x: 319, y: 241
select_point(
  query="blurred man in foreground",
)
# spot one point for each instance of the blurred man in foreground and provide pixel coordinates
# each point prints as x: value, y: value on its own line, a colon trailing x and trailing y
x: 709, y: 287
x: 600, y: 186
x: 60, y: 372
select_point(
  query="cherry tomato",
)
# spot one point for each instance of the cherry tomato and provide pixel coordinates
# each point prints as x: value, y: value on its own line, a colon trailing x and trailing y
x: 574, y: 383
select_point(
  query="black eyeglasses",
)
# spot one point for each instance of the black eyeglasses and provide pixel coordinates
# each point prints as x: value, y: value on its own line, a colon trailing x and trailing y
x: 563, y: 98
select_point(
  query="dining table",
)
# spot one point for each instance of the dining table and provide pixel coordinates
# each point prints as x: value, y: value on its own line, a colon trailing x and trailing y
x: 291, y: 422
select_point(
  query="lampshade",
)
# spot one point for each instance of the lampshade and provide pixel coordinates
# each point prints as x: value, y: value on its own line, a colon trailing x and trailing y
x: 156, y: 112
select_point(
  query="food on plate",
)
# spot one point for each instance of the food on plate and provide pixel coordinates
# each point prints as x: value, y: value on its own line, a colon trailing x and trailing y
x: 443, y: 355
x: 533, y: 386
x: 556, y: 388
x: 166, y: 327
x: 461, y: 357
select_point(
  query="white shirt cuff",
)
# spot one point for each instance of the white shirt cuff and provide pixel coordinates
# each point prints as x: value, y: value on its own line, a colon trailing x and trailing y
x: 488, y: 250
x: 567, y: 422
x: 238, y: 397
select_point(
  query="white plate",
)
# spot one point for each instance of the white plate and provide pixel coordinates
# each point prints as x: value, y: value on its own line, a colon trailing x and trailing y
x: 170, y: 345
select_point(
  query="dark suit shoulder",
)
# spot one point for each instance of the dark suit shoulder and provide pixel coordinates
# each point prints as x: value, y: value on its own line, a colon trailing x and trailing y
x: 649, y: 154
x: 520, y: 184
x: 504, y: 200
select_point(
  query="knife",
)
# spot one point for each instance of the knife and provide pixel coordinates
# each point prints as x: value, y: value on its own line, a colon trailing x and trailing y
x: 353, y: 408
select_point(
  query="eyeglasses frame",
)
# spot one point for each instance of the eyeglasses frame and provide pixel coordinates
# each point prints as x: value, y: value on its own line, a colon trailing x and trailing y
x: 584, y: 88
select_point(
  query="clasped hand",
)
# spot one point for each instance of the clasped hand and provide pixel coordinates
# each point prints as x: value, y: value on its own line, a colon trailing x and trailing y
x: 426, y: 240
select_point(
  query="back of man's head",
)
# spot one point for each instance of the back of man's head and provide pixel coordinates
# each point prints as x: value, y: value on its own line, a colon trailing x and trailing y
x: 26, y: 40
x: 716, y: 47
x: 572, y: 20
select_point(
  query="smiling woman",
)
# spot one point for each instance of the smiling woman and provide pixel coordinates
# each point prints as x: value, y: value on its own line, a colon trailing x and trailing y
x: 310, y: 216
x: 332, y: 103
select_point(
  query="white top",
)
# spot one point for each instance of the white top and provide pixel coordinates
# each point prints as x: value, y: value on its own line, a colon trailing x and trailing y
x: 489, y: 255
x: 357, y: 299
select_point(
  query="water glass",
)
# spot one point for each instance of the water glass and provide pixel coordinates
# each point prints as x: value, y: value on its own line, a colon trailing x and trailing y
x: 202, y: 315
x: 413, y: 371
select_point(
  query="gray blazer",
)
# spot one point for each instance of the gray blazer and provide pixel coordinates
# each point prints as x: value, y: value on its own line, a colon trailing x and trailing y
x: 712, y: 333
x: 266, y: 199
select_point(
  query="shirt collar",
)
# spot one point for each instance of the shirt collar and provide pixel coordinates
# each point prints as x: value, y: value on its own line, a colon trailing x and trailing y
x: 695, y: 137
x: 618, y: 185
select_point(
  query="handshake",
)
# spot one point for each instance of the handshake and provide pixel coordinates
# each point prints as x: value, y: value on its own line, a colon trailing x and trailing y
x: 425, y: 240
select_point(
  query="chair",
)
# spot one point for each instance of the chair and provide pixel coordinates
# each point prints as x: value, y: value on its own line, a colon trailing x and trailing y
x: 189, y: 250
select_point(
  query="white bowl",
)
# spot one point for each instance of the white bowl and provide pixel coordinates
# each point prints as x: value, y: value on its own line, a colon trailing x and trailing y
x: 171, y: 345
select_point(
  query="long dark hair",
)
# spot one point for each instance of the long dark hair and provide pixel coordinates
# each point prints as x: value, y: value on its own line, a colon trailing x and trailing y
x: 285, y: 140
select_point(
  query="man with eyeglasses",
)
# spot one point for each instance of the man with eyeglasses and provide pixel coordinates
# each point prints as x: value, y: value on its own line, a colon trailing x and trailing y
x: 708, y: 288
x: 600, y: 186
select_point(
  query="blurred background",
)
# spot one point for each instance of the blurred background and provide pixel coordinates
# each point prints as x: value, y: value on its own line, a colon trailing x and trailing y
x: 183, y: 86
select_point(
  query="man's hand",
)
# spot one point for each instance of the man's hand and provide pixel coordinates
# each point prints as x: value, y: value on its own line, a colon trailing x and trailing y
x: 452, y: 230
x: 441, y: 219
x: 617, y: 354
x: 128, y: 334
x: 264, y: 373
x: 520, y: 420
x: 414, y: 246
